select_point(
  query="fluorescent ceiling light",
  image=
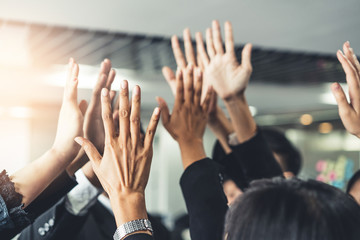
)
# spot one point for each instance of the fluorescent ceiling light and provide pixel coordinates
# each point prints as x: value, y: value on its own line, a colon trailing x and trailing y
x: 88, y: 76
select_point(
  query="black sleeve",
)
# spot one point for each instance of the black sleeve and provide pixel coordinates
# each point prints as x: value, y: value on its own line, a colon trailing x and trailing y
x: 55, y: 223
x: 233, y: 169
x: 139, y: 236
x: 205, y: 200
x: 255, y: 159
x: 47, y: 199
x: 51, y: 195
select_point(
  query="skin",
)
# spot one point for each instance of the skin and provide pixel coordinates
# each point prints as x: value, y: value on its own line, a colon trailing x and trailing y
x: 187, y: 122
x: 349, y: 112
x: 31, y: 180
x: 231, y: 191
x: 93, y: 123
x: 124, y: 168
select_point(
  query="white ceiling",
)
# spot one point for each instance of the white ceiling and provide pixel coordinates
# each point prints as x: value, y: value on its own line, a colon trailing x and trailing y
x: 306, y: 25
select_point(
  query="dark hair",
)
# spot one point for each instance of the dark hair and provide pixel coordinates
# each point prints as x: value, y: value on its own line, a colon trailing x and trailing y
x: 352, y: 181
x: 279, y: 144
x: 279, y: 209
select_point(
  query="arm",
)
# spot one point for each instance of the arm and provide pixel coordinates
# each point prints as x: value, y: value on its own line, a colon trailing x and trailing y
x: 63, y: 151
x: 230, y: 80
x: 124, y: 168
x: 200, y: 182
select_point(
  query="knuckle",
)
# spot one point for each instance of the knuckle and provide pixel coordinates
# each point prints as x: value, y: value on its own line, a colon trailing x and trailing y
x: 107, y: 116
x: 124, y: 113
x: 135, y: 120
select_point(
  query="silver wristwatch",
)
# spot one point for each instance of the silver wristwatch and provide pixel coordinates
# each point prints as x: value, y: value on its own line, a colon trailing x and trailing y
x: 131, y: 227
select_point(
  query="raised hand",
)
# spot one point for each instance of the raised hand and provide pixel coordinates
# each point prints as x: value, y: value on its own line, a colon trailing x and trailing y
x: 70, y: 123
x: 188, y: 120
x: 222, y: 70
x: 124, y: 168
x: 349, y: 111
x: 181, y: 61
x: 93, y: 123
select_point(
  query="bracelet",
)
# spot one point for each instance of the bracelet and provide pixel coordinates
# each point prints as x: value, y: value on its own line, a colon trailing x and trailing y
x: 131, y: 227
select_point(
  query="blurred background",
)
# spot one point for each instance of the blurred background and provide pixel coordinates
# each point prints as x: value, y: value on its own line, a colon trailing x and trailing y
x: 294, y: 63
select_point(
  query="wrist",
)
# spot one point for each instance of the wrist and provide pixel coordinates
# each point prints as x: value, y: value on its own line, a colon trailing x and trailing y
x: 128, y: 206
x: 191, y: 151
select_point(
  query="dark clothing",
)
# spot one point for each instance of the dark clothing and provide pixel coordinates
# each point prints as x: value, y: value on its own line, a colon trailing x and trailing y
x: 255, y: 159
x: 21, y: 218
x: 202, y: 188
x: 205, y: 200
x: 248, y: 161
x: 97, y: 224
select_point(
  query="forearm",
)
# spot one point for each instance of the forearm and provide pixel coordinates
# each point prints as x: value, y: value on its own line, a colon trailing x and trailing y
x: 241, y: 118
x: 31, y: 180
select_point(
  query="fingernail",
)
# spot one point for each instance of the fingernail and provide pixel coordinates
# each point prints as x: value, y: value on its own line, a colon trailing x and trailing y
x: 104, y: 92
x: 136, y: 90
x: 157, y: 111
x: 71, y: 60
x: 336, y: 86
x: 347, y: 43
x: 124, y: 84
x: 79, y: 141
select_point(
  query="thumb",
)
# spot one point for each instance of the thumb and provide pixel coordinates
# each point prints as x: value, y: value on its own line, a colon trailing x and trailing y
x: 90, y: 150
x: 165, y: 115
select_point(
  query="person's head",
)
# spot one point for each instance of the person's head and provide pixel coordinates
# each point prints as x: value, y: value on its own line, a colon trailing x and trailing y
x: 288, y: 157
x: 353, y: 187
x: 279, y: 209
x: 231, y: 190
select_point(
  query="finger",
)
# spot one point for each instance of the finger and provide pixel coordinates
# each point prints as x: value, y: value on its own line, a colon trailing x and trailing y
x: 198, y: 87
x: 189, y: 85
x: 179, y: 96
x: 246, y: 57
x: 110, y: 79
x: 340, y: 97
x: 351, y: 79
x: 170, y: 78
x: 106, y: 66
x: 178, y: 54
x: 229, y: 39
x: 106, y: 114
x: 90, y: 150
x: 349, y: 53
x: 135, y: 116
x: 151, y: 129
x: 189, y: 49
x: 206, y: 103
x: 213, y: 102
x: 165, y: 114
x: 217, y: 37
x: 201, y: 49
x: 210, y: 43
x: 112, y: 96
x: 83, y: 106
x: 124, y: 113
x: 100, y: 84
x: 70, y: 92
